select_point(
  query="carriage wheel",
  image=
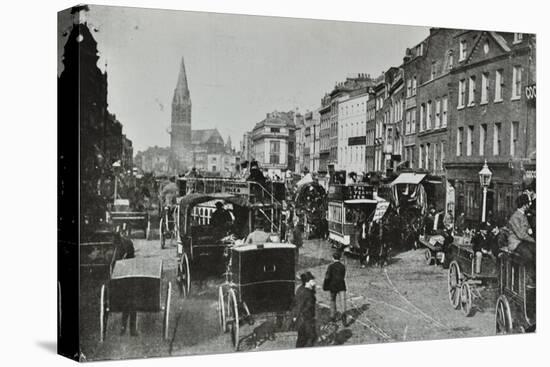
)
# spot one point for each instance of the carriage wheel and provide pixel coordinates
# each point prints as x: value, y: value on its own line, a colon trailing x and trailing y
x: 166, y: 320
x: 103, y: 314
x: 466, y: 299
x: 503, y: 316
x: 184, y: 276
x: 233, y: 317
x: 453, y: 284
x: 161, y: 233
x: 221, y: 310
x: 428, y: 256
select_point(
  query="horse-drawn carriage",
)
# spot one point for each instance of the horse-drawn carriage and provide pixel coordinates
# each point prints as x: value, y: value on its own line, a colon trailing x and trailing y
x: 121, y: 215
x: 135, y: 285
x: 471, y: 275
x: 259, y: 282
x: 97, y: 252
x: 516, y: 304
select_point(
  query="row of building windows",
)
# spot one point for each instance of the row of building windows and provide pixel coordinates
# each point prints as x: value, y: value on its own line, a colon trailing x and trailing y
x: 499, y: 85
x: 351, y: 109
x: 497, y: 147
x: 431, y: 156
x: 427, y: 111
x: 353, y: 154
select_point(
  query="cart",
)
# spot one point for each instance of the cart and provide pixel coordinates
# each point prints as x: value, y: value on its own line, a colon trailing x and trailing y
x: 200, y: 245
x: 465, y: 284
x: 516, y: 305
x: 135, y: 285
x: 121, y: 215
x: 259, y: 282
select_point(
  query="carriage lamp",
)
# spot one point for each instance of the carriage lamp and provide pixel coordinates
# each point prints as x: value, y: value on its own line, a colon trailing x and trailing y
x: 484, y: 180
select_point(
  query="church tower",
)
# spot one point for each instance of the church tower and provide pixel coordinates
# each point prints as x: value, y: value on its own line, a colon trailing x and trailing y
x: 180, y: 132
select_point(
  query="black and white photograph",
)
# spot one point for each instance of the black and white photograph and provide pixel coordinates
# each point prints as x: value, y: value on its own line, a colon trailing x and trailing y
x: 234, y: 183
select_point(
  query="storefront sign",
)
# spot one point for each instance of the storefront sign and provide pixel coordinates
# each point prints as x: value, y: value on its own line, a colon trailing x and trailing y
x: 381, y: 209
x: 531, y: 92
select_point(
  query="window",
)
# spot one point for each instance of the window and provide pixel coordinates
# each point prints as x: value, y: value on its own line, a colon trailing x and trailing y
x: 275, y: 130
x: 413, y: 121
x: 450, y: 60
x: 459, y: 141
x: 437, y: 113
x: 274, y: 151
x: 433, y: 71
x: 514, y: 133
x: 435, y: 164
x: 409, y: 87
x: 427, y: 156
x: 445, y: 107
x: 422, y: 116
x: 482, y: 139
x: 442, y: 154
x: 463, y: 48
x: 516, y: 82
x: 499, y: 85
x: 414, y: 86
x: 429, y: 115
x: 496, y: 139
x: 472, y: 91
x: 213, y: 168
x: 408, y: 122
x: 420, y: 49
x: 469, y: 140
x: 420, y: 155
x: 461, y: 92
x: 518, y: 37
x: 484, y: 87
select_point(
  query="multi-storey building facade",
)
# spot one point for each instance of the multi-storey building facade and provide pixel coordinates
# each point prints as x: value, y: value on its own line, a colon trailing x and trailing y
x: 494, y: 120
x: 370, y: 132
x: 352, y: 124
x: 324, y: 134
x: 316, y: 145
x: 311, y: 123
x: 273, y: 141
x: 379, y: 93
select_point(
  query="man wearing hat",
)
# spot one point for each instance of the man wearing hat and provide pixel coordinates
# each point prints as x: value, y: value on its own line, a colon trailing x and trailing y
x: 335, y: 283
x: 221, y: 218
x: 304, y: 311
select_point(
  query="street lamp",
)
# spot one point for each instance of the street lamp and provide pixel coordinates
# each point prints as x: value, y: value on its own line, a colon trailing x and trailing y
x: 116, y: 165
x: 485, y: 180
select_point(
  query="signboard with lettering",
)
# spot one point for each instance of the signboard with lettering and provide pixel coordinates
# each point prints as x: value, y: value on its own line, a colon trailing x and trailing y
x: 531, y: 92
x: 381, y: 209
x: 357, y: 140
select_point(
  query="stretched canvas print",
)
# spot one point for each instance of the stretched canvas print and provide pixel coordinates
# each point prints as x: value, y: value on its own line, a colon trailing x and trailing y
x: 232, y: 183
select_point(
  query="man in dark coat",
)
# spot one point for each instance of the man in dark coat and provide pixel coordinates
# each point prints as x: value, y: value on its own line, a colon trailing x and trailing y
x: 335, y: 283
x: 125, y: 250
x: 304, y: 312
x: 221, y: 219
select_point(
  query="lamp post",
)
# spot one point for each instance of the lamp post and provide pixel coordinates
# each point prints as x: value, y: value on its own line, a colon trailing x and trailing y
x: 485, y: 180
x: 116, y: 165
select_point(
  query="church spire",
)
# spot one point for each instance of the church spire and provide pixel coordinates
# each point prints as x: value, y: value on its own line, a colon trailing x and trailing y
x: 182, y: 90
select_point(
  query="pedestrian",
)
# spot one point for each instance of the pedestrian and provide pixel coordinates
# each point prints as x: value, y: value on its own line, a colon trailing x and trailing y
x: 125, y: 250
x: 520, y: 239
x: 460, y: 224
x: 335, y: 283
x: 304, y: 312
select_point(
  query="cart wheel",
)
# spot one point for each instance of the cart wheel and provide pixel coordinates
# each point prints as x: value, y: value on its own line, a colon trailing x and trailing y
x: 166, y: 321
x: 466, y: 299
x: 221, y: 310
x: 184, y: 276
x: 428, y: 256
x: 161, y: 233
x: 454, y: 280
x: 103, y: 314
x: 503, y: 316
x: 233, y: 317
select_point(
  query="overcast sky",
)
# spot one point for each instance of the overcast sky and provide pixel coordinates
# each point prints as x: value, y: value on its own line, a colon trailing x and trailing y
x: 238, y: 67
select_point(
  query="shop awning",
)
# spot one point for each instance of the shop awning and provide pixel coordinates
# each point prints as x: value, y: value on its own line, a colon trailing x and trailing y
x: 408, y: 178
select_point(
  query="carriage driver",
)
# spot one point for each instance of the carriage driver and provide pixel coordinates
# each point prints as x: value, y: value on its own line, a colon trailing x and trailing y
x: 221, y: 219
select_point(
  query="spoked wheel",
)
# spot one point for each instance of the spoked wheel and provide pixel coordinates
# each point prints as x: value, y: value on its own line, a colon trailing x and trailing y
x: 103, y: 314
x: 233, y: 318
x: 428, y: 256
x: 466, y: 299
x: 221, y: 310
x: 453, y: 284
x: 166, y: 319
x: 503, y: 316
x: 161, y: 234
x: 184, y: 275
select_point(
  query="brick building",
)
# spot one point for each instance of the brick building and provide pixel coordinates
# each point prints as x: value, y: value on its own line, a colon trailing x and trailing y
x: 492, y: 119
x: 324, y: 134
x: 370, y: 132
